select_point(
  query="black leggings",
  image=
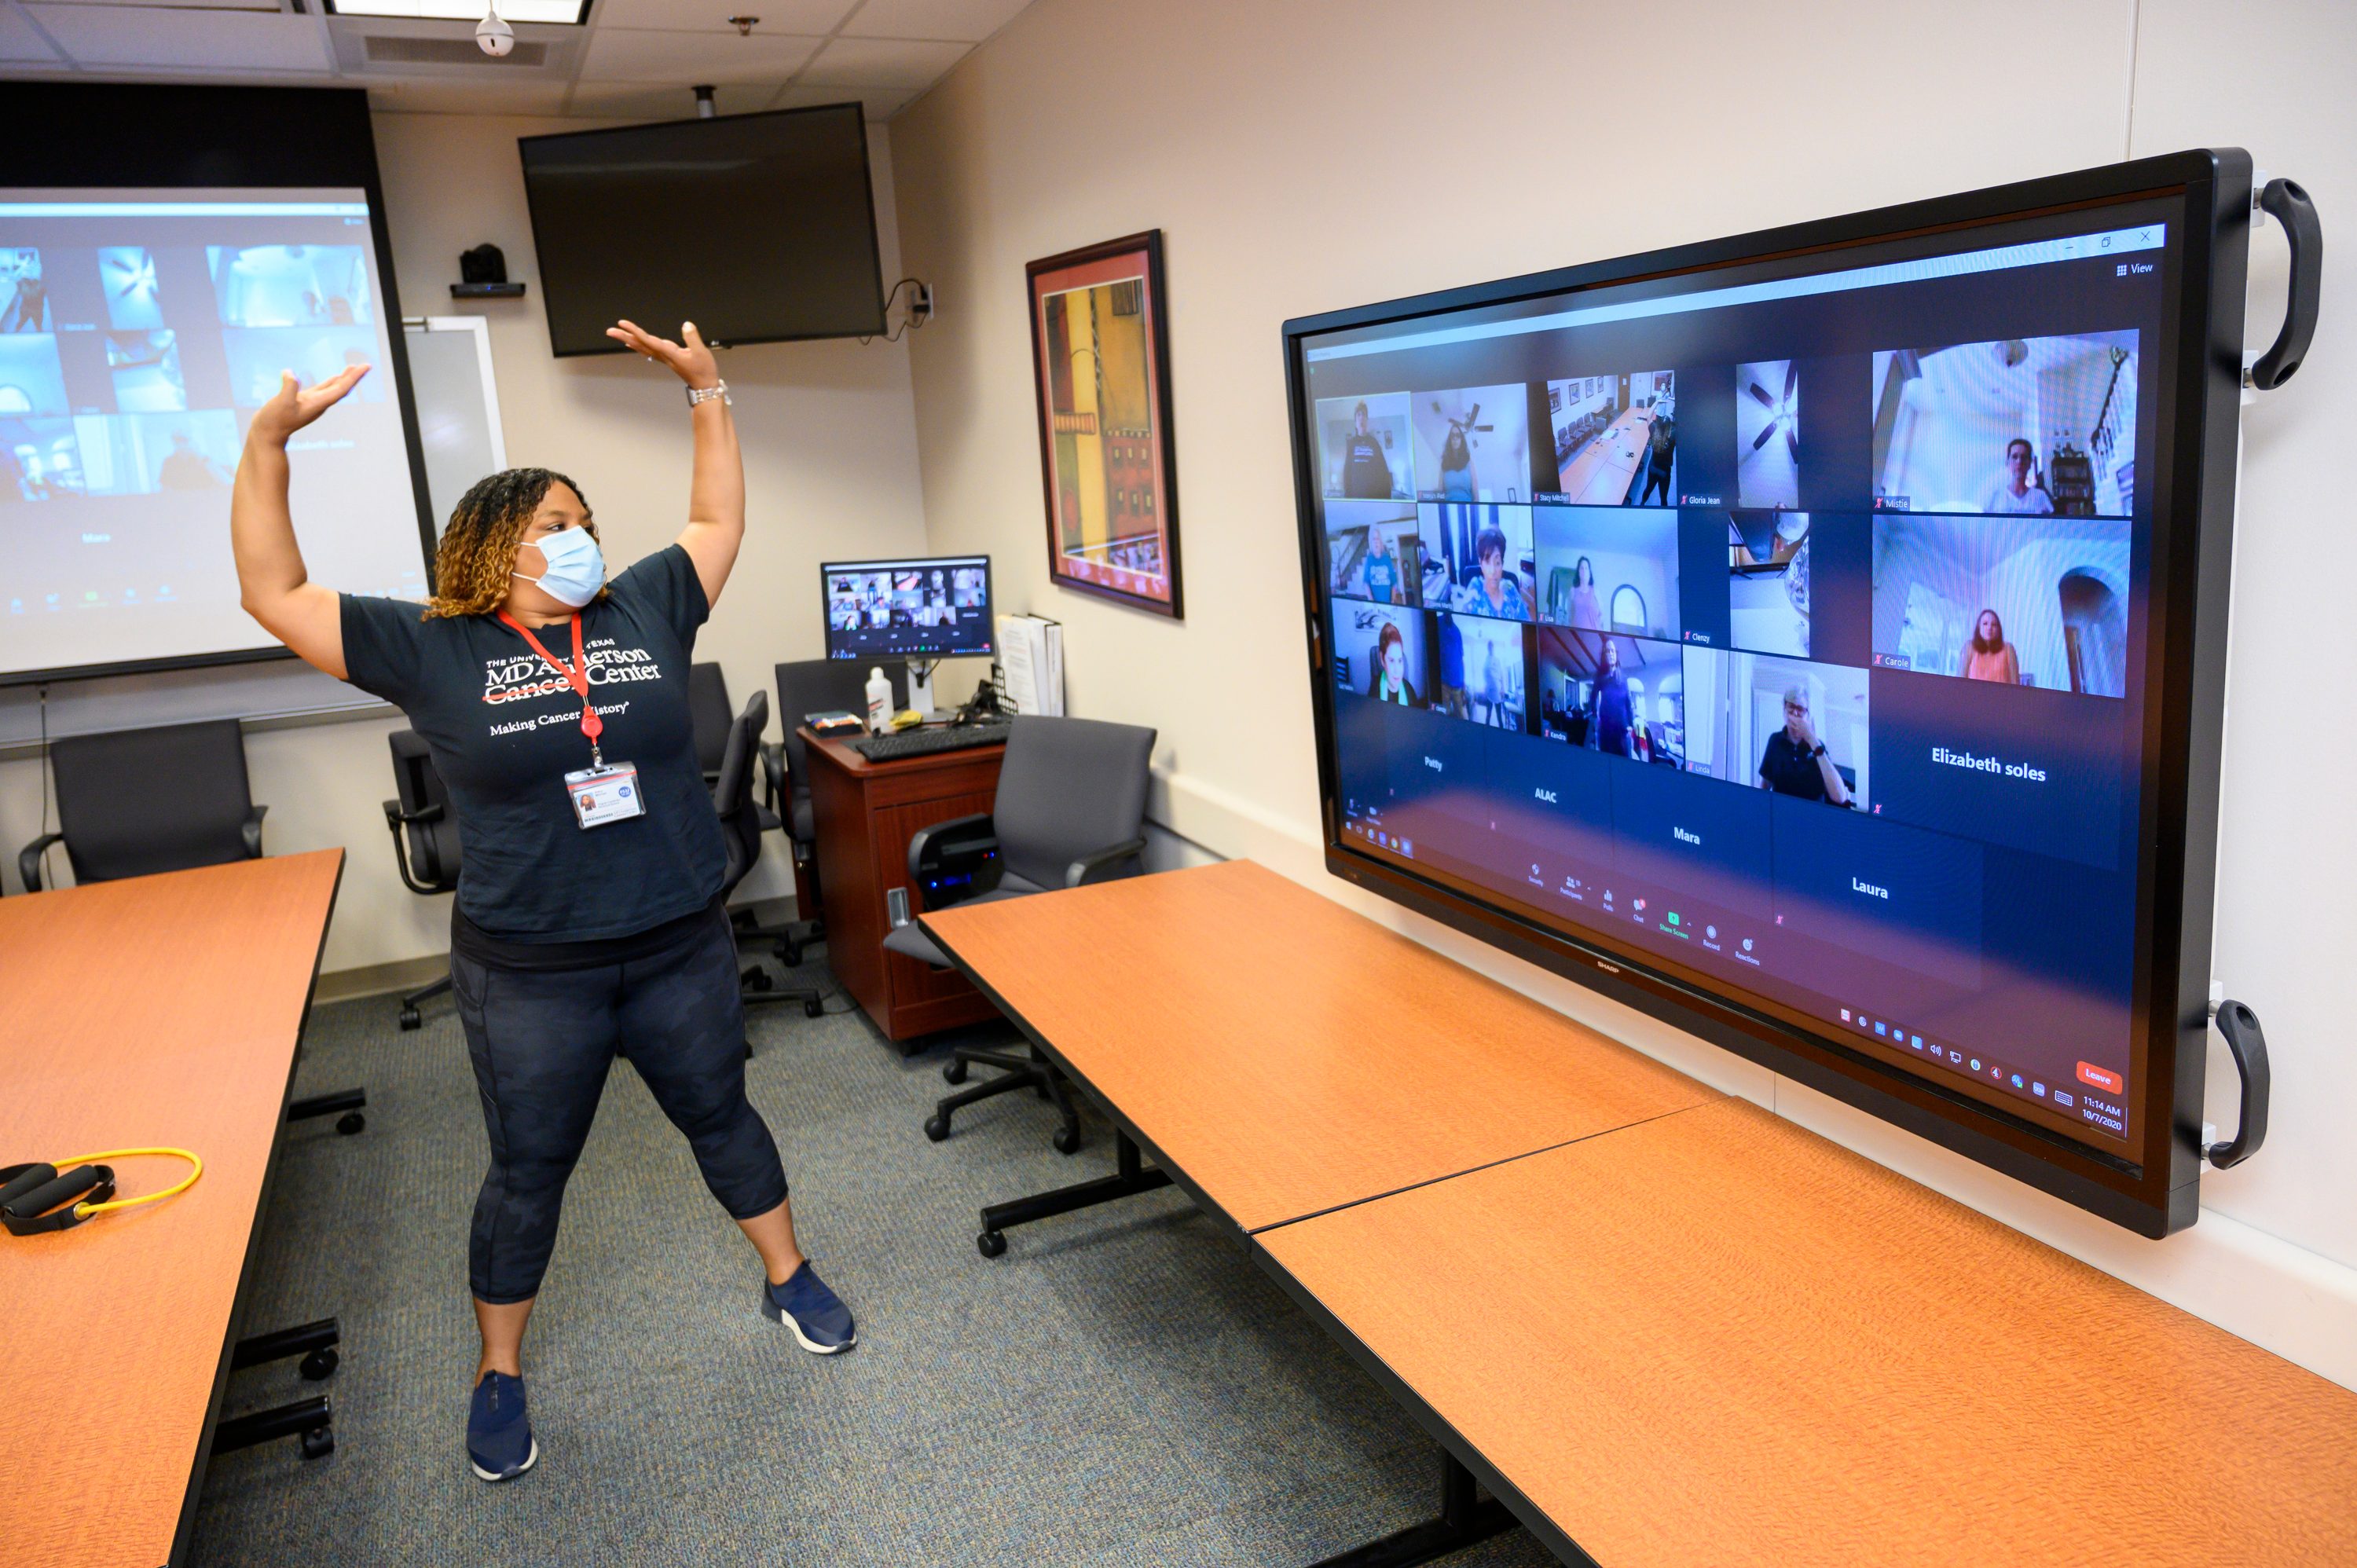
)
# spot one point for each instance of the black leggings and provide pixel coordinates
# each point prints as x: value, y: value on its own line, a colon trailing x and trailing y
x: 542, y: 1044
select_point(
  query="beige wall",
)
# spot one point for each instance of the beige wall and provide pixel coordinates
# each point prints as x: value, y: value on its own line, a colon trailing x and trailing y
x: 830, y: 465
x: 1311, y: 155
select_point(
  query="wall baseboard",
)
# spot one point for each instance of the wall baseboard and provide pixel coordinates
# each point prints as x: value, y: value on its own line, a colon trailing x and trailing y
x: 380, y: 979
x: 2300, y: 1305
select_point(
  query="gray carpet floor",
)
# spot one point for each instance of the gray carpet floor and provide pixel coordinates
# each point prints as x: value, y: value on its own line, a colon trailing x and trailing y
x: 1123, y: 1386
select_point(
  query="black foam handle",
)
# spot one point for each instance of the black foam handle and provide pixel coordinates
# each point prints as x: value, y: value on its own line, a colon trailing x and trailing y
x: 2305, y: 230
x: 52, y: 1194
x: 22, y: 1179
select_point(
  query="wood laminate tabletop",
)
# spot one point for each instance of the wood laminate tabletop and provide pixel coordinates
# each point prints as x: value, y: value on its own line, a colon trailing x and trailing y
x: 1716, y: 1337
x: 161, y: 1010
x: 1284, y: 1055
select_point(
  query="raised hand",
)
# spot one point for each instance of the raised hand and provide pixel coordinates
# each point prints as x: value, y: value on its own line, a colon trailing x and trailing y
x: 689, y: 359
x: 295, y: 405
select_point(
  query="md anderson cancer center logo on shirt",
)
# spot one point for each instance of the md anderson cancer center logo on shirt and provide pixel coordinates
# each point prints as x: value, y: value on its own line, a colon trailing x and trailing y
x: 522, y: 677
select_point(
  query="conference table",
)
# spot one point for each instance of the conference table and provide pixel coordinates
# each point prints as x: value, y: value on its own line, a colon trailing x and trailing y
x: 1603, y: 471
x: 1678, y: 1328
x: 159, y: 1010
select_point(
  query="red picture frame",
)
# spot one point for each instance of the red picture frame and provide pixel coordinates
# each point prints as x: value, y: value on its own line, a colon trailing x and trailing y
x: 1108, y: 458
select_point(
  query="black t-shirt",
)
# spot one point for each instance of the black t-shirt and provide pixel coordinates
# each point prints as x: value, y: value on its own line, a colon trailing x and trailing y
x: 1366, y: 474
x: 1792, y: 768
x: 504, y: 729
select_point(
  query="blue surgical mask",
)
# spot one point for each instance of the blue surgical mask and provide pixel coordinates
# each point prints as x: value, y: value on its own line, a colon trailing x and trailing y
x: 576, y: 570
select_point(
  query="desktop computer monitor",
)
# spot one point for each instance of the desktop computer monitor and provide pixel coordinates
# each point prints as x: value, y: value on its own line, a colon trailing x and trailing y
x: 920, y: 609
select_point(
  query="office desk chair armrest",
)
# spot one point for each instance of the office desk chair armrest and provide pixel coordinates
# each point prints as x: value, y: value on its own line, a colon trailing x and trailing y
x: 29, y: 860
x: 1086, y: 869
x: 396, y: 819
x: 774, y: 782
x: 250, y: 831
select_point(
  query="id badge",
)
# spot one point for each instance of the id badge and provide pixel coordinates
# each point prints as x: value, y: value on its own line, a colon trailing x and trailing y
x: 608, y: 794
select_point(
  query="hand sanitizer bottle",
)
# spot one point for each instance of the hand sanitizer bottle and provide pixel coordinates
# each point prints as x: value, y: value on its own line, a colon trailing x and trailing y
x: 879, y: 702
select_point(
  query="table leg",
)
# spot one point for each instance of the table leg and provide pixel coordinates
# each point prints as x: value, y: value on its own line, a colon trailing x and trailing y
x: 1465, y: 1520
x: 1130, y: 1177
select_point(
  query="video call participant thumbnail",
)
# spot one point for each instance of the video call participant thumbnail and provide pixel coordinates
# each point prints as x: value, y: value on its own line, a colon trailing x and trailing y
x: 1364, y: 447
x: 1686, y: 835
x: 1473, y: 444
x: 1479, y: 560
x: 1608, y: 569
x: 2026, y: 426
x: 1373, y: 552
x: 1860, y: 884
x: 2033, y: 769
x: 1621, y: 696
x: 2015, y: 602
x: 1768, y: 433
x: 1768, y: 601
x: 1482, y: 670
x: 1380, y: 653
x: 1615, y: 438
x: 1785, y: 725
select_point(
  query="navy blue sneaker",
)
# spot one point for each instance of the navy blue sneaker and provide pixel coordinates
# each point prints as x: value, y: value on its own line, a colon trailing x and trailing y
x: 816, y: 1316
x: 500, y: 1444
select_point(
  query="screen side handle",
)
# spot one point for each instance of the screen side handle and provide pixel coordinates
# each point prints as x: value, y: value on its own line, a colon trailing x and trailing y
x: 2249, y: 1047
x: 2305, y: 230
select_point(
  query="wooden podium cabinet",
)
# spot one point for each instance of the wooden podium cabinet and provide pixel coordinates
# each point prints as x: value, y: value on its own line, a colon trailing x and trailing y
x: 866, y: 813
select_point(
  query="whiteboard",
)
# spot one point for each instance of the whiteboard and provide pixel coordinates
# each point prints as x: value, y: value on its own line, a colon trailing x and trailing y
x: 458, y: 424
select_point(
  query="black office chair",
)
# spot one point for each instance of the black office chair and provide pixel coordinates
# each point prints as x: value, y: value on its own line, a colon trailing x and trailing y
x: 137, y: 802
x: 1071, y: 810
x: 805, y: 687
x: 133, y: 802
x: 741, y: 820
x: 424, y: 841
x: 709, y: 715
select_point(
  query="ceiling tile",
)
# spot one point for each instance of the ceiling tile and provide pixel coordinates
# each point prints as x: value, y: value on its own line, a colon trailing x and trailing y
x: 150, y: 35
x: 875, y: 62
x: 19, y: 41
x: 657, y: 101
x: 813, y: 17
x: 878, y: 103
x: 970, y: 21
x: 631, y: 54
x: 467, y: 97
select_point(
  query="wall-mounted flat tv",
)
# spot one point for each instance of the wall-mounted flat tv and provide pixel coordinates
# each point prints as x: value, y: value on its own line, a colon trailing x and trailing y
x: 758, y: 228
x: 1816, y: 639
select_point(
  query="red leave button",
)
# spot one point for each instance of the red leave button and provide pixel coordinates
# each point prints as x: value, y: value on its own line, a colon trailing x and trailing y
x: 2090, y: 1073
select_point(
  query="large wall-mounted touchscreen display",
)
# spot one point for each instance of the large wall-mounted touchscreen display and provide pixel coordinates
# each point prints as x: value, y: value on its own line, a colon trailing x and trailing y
x: 1789, y: 626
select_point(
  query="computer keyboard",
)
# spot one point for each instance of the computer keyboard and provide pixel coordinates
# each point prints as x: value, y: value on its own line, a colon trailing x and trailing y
x: 925, y: 742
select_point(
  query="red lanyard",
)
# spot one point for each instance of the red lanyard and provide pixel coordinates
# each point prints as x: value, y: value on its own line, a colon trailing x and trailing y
x: 577, y: 676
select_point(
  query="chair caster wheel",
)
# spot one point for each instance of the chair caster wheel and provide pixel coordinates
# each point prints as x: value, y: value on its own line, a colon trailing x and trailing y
x: 991, y: 1243
x: 410, y: 1018
x: 953, y: 1072
x: 937, y: 1127
x: 350, y: 1122
x: 814, y: 1008
x: 791, y: 953
x: 319, y: 1364
x: 756, y: 980
x: 318, y: 1442
x: 1067, y: 1140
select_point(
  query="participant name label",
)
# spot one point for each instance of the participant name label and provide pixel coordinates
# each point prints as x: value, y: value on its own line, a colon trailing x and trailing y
x: 2028, y: 772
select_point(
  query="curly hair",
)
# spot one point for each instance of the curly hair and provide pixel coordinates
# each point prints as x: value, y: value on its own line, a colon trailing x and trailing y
x: 477, y: 553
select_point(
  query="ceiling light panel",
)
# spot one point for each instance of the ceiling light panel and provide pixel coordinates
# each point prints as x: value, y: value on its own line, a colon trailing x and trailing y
x: 557, y: 13
x: 817, y: 18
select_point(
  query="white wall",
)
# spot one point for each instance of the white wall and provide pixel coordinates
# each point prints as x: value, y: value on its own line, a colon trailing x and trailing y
x: 830, y: 463
x: 1255, y: 137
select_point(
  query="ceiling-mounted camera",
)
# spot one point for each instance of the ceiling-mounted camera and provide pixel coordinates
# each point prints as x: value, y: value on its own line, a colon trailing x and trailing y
x: 493, y: 36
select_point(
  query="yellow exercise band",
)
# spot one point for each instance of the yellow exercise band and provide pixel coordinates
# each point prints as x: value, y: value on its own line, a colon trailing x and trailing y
x: 84, y: 1210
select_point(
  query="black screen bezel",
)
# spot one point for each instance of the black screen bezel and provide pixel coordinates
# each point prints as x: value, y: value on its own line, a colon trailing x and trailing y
x: 88, y: 136
x: 606, y: 346
x: 2154, y: 1188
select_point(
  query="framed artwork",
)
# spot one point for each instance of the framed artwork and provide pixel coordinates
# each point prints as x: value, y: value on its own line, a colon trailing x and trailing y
x: 1101, y: 356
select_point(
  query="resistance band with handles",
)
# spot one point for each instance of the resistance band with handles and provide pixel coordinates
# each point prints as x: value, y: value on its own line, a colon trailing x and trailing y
x: 30, y: 1195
